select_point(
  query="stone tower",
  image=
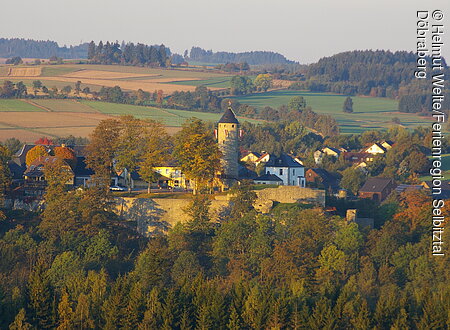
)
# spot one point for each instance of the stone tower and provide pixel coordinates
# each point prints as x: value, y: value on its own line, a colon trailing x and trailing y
x: 228, y: 139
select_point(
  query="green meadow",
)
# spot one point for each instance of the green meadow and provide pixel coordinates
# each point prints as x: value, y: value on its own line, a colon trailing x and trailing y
x: 9, y: 105
x: 368, y: 112
x: 218, y: 82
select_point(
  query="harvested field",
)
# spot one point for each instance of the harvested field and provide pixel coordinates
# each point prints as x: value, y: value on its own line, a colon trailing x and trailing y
x: 21, y: 134
x: 96, y: 74
x: 146, y: 85
x: 51, y: 119
x: 54, y: 120
x: 127, y: 77
x: 25, y: 72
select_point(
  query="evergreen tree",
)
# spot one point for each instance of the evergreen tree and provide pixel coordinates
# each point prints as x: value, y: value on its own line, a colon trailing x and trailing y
x: 348, y: 105
x: 40, y: 298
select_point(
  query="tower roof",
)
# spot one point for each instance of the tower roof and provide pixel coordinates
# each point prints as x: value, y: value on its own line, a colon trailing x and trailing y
x: 228, y: 117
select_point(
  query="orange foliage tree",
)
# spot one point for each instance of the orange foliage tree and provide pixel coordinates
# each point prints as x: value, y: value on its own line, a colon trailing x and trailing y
x: 66, y: 154
x: 35, y: 153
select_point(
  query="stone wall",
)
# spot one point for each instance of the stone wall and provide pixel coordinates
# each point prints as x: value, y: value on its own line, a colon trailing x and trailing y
x: 157, y: 215
x: 291, y: 194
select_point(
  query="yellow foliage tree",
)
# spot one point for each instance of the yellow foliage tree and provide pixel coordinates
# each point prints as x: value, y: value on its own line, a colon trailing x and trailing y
x: 35, y: 153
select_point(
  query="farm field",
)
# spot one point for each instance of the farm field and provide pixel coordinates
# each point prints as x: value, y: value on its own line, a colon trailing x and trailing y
x: 218, y: 82
x: 63, y: 105
x: 48, y: 83
x: 59, y: 118
x: 127, y: 77
x: 369, y: 113
x: 17, y: 105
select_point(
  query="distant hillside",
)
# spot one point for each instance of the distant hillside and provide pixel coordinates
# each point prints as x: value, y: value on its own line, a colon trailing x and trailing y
x: 368, y: 72
x: 39, y: 49
x: 253, y: 58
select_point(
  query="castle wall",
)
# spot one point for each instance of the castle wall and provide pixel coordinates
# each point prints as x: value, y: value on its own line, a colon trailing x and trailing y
x: 154, y: 215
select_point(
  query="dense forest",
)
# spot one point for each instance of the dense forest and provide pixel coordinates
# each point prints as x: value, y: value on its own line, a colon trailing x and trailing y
x: 252, y: 58
x: 77, y: 265
x: 376, y: 73
x: 39, y: 49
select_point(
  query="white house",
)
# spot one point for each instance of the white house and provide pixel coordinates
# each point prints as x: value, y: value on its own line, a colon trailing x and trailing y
x: 290, y: 171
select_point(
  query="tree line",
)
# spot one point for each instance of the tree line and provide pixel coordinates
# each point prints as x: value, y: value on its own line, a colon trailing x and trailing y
x: 254, y: 57
x: 128, y: 54
x: 39, y: 49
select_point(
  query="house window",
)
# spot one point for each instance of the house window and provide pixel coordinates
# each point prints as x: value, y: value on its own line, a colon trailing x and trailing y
x: 281, y: 171
x: 232, y: 126
x: 293, y: 171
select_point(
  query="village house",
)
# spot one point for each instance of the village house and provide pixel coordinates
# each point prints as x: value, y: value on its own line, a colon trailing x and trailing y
x: 291, y: 172
x: 377, y: 189
x: 268, y: 179
x: 172, y: 176
x: 35, y: 182
x: 378, y: 148
x: 357, y: 157
x: 327, y: 151
x: 263, y: 159
x: 250, y: 157
x: 319, y: 177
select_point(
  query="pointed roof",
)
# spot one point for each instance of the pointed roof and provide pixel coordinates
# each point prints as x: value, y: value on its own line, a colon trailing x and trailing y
x: 228, y: 117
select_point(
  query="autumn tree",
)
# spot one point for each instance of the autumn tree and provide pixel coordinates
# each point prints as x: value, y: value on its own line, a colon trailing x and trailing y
x: 156, y: 150
x: 67, y: 154
x: 60, y: 214
x: 101, y: 151
x: 130, y: 146
x: 20, y: 322
x: 34, y: 153
x: 263, y: 81
x: 197, y: 153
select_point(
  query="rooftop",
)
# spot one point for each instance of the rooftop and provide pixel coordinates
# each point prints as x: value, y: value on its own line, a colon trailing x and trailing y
x: 228, y: 117
x: 375, y: 184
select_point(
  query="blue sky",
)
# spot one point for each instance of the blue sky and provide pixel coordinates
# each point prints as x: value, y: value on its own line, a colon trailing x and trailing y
x: 301, y: 30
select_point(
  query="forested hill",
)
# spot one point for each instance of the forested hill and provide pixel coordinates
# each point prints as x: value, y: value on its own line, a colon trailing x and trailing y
x: 254, y: 57
x: 379, y: 72
x: 39, y: 49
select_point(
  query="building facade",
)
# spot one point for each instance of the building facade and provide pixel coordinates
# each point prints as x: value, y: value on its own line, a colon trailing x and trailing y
x: 291, y: 172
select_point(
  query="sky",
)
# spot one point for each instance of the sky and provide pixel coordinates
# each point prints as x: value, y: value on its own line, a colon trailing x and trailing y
x: 303, y: 31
